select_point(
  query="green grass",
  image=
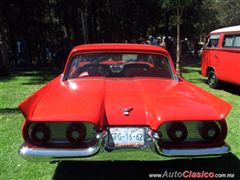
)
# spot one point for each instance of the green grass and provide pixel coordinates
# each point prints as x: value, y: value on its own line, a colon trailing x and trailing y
x: 13, y: 90
x: 19, y: 86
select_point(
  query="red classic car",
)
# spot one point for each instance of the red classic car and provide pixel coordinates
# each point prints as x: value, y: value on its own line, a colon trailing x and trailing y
x: 121, y: 96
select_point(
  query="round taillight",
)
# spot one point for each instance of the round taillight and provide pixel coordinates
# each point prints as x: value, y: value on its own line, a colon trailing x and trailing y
x: 209, y: 131
x: 76, y: 133
x: 177, y: 131
x: 40, y: 134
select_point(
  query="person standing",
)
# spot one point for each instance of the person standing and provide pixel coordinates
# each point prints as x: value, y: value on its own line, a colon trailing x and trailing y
x: 153, y: 41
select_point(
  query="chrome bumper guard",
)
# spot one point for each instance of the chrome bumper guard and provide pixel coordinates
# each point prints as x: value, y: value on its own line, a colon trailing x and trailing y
x: 60, y: 154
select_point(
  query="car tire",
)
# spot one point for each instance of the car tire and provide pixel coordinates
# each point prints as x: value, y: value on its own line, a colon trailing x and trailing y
x: 213, y: 81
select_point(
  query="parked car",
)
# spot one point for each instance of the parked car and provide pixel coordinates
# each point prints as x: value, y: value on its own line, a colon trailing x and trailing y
x: 221, y: 56
x: 121, y: 96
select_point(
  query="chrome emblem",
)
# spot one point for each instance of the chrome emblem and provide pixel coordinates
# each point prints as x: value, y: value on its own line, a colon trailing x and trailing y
x: 126, y: 111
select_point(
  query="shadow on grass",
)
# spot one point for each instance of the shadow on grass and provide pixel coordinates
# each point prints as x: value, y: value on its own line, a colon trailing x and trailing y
x: 34, y: 77
x: 6, y: 78
x: 9, y: 110
x: 231, y: 88
x: 38, y: 77
x: 197, y: 80
x: 38, y: 80
x: 185, y: 70
x: 228, y: 87
x: 228, y: 163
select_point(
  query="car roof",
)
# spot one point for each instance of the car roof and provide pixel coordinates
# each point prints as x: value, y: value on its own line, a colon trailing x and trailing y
x: 227, y: 29
x: 119, y: 47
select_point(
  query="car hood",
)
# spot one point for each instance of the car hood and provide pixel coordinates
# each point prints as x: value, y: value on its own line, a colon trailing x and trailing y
x: 129, y: 101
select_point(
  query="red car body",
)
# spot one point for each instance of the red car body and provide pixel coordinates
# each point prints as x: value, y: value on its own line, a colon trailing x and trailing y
x: 220, y: 57
x: 168, y: 115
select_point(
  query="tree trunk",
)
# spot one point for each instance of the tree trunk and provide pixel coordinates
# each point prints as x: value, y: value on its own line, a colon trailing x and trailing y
x: 5, y: 66
x: 178, y: 43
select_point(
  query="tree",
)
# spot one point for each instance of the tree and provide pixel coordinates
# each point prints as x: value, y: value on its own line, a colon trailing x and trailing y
x: 40, y: 24
x: 4, y: 45
x: 229, y: 11
x: 208, y: 18
x: 177, y: 6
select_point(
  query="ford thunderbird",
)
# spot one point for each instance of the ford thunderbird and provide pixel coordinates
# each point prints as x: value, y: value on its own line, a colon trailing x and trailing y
x: 121, y: 96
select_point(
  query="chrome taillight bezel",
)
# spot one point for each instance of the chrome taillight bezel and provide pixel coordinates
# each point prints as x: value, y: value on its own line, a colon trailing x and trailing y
x: 194, y: 137
x: 58, y: 134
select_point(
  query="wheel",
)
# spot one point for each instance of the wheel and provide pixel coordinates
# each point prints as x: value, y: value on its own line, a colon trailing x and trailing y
x: 213, y: 81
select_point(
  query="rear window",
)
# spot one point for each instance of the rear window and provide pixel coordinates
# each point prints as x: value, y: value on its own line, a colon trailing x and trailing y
x: 119, y: 65
x: 213, y: 40
x: 231, y: 40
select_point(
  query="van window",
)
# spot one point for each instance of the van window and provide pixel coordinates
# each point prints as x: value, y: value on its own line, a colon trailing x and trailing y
x: 237, y: 41
x: 228, y: 41
x: 213, y: 40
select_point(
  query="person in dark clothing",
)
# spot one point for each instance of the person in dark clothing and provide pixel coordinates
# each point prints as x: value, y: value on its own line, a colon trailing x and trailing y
x: 170, y: 46
x: 140, y: 40
x: 153, y: 41
x: 62, y: 52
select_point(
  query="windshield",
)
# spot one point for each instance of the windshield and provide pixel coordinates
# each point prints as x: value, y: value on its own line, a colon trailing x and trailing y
x: 119, y: 65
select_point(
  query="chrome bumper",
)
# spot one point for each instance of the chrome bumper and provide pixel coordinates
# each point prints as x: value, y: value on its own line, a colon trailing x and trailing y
x: 51, y: 154
x: 60, y: 154
x: 214, y: 151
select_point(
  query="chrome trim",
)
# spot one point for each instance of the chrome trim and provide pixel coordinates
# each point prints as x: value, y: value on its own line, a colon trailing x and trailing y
x: 59, y: 154
x: 153, y: 137
x: 62, y: 76
x: 126, y: 111
x: 55, y: 154
x: 103, y: 138
x: 212, y: 151
x: 153, y: 134
x: 151, y: 142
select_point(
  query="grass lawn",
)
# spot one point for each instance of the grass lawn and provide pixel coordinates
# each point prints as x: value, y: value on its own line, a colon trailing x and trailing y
x: 19, y: 86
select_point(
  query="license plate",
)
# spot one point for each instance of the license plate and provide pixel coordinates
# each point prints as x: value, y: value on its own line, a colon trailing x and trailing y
x: 126, y: 137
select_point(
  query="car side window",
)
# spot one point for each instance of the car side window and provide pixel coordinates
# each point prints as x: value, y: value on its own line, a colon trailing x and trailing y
x: 213, y: 40
x: 237, y: 41
x: 75, y: 62
x: 228, y: 41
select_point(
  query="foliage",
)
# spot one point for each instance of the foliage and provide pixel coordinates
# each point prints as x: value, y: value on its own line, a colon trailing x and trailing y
x: 208, y: 15
x: 176, y: 4
x: 42, y: 23
x: 230, y: 12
